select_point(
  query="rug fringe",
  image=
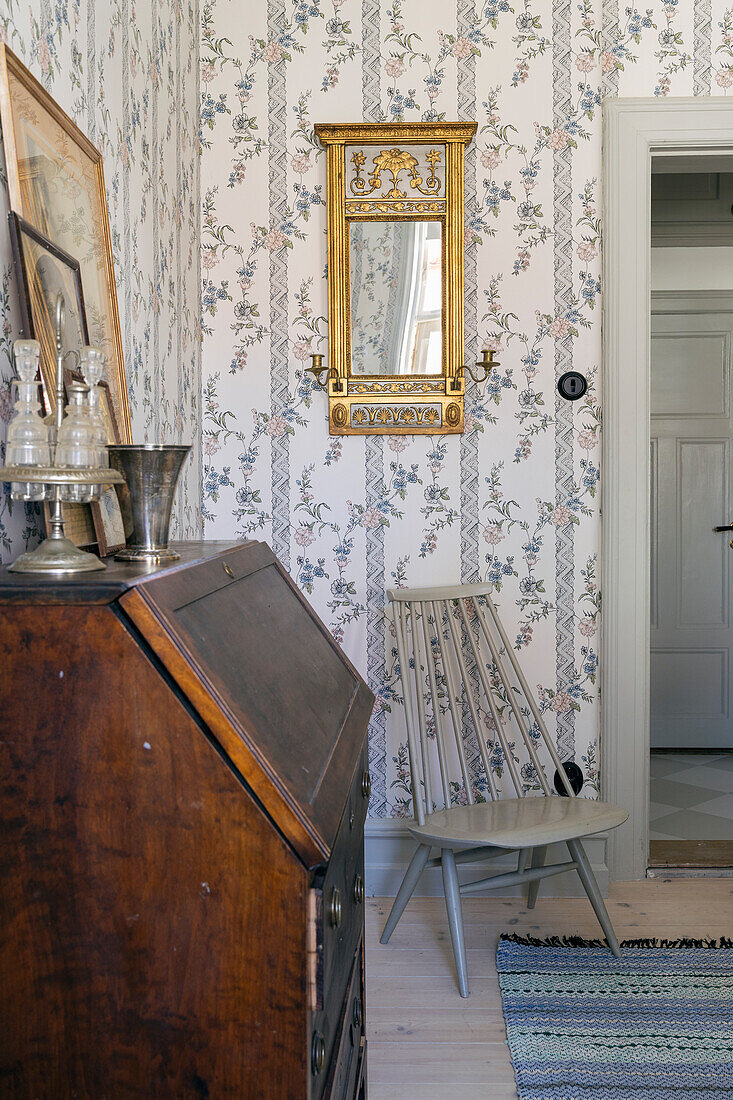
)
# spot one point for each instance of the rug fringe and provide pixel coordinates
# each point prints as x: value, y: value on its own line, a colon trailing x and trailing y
x: 580, y: 941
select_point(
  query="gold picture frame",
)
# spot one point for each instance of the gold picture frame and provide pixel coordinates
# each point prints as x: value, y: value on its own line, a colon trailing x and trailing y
x: 56, y: 182
x: 377, y: 173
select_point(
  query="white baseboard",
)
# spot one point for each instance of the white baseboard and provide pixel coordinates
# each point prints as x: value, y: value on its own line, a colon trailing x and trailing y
x: 389, y: 848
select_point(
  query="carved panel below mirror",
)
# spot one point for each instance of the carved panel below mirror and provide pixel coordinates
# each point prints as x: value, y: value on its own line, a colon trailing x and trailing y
x: 395, y: 263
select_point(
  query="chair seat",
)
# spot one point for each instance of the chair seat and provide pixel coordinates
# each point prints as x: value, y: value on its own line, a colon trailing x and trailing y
x: 518, y: 822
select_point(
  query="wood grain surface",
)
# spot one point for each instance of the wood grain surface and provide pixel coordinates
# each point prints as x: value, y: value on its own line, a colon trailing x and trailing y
x: 155, y: 911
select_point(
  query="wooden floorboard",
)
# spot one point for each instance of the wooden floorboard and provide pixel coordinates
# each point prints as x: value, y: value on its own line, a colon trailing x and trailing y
x: 691, y: 853
x: 427, y: 1043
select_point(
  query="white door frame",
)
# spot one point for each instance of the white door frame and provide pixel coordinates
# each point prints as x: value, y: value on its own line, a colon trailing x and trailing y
x: 633, y: 130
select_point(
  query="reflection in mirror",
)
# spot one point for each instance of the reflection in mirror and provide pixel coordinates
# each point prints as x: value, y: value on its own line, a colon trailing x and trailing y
x: 396, y: 294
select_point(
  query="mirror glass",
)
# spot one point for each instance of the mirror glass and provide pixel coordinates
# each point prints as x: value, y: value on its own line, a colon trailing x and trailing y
x: 395, y: 297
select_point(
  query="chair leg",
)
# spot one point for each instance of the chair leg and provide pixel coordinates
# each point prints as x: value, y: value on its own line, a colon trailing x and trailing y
x: 405, y: 892
x: 538, y: 860
x: 523, y: 861
x: 455, y: 916
x: 577, y: 852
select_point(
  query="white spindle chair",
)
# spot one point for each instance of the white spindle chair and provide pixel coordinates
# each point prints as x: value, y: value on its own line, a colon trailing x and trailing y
x: 453, y: 656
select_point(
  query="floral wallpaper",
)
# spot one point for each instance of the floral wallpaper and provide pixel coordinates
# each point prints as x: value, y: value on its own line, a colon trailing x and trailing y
x: 127, y: 73
x: 516, y: 498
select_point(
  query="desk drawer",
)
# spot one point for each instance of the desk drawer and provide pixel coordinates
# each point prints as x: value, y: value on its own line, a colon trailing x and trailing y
x: 348, y: 1061
x: 336, y: 930
x: 343, y: 891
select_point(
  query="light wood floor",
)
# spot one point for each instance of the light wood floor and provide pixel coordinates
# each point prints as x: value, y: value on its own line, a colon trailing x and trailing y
x: 425, y: 1043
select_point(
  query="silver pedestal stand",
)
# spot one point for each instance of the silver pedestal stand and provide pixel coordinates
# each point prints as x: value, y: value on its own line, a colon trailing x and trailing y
x: 57, y: 554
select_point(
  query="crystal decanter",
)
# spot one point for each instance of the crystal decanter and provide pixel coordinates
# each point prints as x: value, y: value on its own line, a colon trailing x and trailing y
x: 91, y: 365
x: 27, y: 441
x: 76, y: 443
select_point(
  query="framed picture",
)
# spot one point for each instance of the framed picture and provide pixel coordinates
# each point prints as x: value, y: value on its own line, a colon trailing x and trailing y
x: 56, y: 182
x: 42, y: 270
x: 108, y: 525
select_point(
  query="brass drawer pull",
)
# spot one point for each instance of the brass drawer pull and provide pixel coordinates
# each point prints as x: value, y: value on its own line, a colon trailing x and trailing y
x: 357, y: 1017
x: 318, y: 1053
x: 228, y: 569
x: 366, y: 784
x: 358, y: 889
x: 334, y: 907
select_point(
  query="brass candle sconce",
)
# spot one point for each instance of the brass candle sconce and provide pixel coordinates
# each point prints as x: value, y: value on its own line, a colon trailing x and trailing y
x: 487, y: 364
x: 318, y: 369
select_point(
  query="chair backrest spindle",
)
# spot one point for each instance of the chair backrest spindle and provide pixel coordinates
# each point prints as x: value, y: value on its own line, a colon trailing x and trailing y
x: 477, y: 725
x: 413, y: 731
x: 453, y: 697
x: 435, y: 700
x: 489, y: 698
x: 419, y: 678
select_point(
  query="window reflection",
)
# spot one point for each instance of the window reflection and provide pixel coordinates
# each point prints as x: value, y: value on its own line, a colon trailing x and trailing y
x: 396, y: 297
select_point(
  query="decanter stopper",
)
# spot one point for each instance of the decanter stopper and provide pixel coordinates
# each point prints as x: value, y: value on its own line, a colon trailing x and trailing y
x: 27, y: 440
x: 27, y: 354
x: 91, y: 364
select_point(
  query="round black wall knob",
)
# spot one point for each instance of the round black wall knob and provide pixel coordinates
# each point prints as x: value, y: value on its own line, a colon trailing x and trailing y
x: 572, y: 385
x: 575, y: 776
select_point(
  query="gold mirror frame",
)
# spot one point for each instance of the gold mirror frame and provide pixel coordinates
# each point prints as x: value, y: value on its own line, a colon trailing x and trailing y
x: 394, y: 404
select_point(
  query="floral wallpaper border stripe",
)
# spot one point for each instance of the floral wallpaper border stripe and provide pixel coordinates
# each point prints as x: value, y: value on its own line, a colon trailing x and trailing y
x: 374, y: 476
x: 469, y: 464
x: 701, y: 47
x: 564, y: 418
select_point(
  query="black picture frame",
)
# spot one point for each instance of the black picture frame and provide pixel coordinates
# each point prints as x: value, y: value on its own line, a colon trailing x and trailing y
x: 41, y: 270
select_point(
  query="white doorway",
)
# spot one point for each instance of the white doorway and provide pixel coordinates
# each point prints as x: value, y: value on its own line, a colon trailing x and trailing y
x: 691, y: 437
x: 636, y: 130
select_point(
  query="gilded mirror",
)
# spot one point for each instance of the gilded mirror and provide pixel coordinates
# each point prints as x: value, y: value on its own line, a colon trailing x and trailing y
x: 395, y: 277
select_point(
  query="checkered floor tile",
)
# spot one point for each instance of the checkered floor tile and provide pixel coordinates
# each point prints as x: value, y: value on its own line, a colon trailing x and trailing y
x: 691, y: 796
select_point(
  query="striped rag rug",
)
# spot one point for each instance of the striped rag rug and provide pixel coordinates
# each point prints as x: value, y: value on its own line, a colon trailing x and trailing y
x: 583, y: 1025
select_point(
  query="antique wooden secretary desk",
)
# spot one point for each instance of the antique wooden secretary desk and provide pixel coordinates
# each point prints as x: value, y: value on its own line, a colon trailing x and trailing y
x: 184, y: 787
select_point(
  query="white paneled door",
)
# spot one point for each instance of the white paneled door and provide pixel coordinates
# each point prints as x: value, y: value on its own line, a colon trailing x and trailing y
x: 691, y: 429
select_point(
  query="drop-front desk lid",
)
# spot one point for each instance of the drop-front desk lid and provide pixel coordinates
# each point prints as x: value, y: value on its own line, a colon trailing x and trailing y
x: 266, y: 677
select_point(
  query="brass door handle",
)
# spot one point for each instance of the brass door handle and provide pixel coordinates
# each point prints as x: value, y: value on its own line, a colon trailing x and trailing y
x: 727, y: 527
